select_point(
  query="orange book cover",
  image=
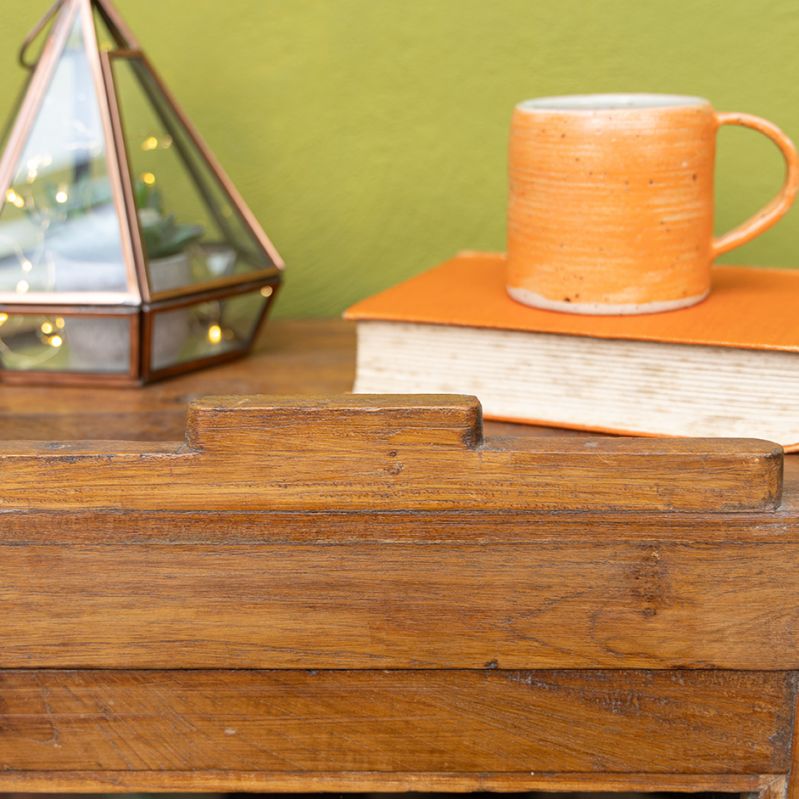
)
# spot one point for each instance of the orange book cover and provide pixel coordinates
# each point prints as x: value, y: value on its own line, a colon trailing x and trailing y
x: 748, y: 308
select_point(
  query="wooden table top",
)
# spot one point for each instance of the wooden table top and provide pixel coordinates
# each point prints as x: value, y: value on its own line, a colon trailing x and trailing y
x: 291, y: 357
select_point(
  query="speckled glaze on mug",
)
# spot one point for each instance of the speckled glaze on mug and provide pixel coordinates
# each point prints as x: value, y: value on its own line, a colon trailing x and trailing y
x: 611, y: 201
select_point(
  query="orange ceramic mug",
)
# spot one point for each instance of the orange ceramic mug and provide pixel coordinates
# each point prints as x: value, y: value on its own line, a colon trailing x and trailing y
x: 611, y: 201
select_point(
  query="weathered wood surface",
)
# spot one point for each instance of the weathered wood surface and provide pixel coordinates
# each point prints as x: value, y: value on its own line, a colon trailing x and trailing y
x: 411, y: 452
x: 235, y: 587
x: 405, y: 721
x: 766, y: 786
x: 278, y: 528
x: 578, y: 604
x: 291, y: 357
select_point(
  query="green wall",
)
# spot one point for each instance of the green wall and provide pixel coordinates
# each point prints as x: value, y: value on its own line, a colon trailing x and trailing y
x: 369, y: 136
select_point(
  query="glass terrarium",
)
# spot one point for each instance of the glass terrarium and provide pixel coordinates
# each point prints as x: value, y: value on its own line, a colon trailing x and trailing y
x: 126, y: 254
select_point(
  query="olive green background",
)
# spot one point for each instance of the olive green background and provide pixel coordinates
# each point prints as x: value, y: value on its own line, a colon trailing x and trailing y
x: 369, y: 136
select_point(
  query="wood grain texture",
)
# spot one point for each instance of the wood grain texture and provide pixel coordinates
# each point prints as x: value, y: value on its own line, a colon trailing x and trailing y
x: 775, y: 789
x: 240, y: 587
x: 246, y: 527
x: 245, y: 780
x: 403, y: 452
x: 290, y: 357
x: 406, y: 722
x: 577, y: 604
x: 792, y: 779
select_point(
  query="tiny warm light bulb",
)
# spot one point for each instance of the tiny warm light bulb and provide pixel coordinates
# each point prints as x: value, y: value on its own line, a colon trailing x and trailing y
x: 46, y: 328
x: 150, y: 143
x: 266, y: 291
x: 15, y: 199
x: 3, y: 318
x: 148, y: 178
x: 55, y: 341
x: 22, y: 287
x: 59, y: 322
x: 214, y: 334
x: 61, y: 196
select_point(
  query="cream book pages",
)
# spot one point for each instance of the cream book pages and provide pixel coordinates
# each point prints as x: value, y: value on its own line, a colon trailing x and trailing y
x: 589, y: 383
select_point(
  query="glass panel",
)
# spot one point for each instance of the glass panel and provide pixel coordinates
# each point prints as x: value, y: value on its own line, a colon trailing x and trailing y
x: 191, y: 232
x: 59, y: 230
x: 206, y: 329
x: 51, y: 342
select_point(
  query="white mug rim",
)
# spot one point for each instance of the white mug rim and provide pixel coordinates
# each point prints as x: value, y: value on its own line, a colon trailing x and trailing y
x: 611, y: 102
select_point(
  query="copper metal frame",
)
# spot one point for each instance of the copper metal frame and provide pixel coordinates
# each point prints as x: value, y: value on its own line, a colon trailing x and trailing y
x: 149, y: 375
x: 8, y: 124
x: 65, y: 13
x: 186, y: 158
x: 30, y: 105
x: 37, y: 85
x: 259, y: 236
x: 128, y: 203
x: 119, y: 30
x: 225, y: 182
x: 70, y: 11
x: 37, y: 30
x: 115, y: 176
x: 46, y: 377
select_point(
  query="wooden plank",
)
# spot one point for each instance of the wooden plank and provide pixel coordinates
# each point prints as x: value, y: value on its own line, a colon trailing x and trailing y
x: 247, y: 781
x: 406, y: 722
x: 385, y: 453
x: 572, y: 604
x: 334, y: 424
x: 792, y: 782
x: 775, y: 789
x: 240, y: 527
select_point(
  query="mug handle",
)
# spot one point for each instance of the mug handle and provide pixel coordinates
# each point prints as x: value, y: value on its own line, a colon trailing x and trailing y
x: 779, y: 206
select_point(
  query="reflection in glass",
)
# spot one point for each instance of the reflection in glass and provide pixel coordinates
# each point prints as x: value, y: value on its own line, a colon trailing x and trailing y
x: 206, y: 329
x: 59, y: 230
x: 37, y: 342
x: 191, y: 232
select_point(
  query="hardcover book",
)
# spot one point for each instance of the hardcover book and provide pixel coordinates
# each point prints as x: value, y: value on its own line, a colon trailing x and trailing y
x: 726, y: 367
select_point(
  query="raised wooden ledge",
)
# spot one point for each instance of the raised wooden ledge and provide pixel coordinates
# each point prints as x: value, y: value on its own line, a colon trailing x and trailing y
x: 384, y: 452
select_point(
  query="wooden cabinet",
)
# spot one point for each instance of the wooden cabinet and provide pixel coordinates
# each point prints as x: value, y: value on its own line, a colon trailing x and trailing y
x: 377, y: 594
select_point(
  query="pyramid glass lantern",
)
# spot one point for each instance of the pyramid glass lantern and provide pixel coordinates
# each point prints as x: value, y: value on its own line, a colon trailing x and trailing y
x: 126, y: 254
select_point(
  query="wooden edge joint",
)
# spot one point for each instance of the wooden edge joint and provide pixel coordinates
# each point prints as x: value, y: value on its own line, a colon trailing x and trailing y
x: 773, y: 787
x: 390, y: 452
x: 346, y: 421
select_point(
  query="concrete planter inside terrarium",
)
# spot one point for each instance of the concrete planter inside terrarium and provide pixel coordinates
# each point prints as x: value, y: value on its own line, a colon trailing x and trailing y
x: 168, y: 246
x: 76, y: 268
